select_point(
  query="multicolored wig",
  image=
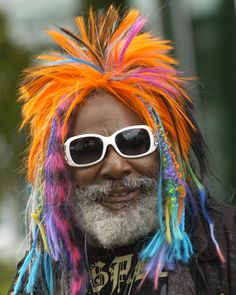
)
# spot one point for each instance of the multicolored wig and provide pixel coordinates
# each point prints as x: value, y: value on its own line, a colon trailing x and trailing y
x: 113, y: 53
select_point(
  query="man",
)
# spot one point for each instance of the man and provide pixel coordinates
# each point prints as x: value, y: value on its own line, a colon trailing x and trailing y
x: 116, y: 204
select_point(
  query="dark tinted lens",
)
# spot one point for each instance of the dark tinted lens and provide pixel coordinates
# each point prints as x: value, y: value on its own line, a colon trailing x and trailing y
x: 133, y: 142
x: 86, y: 150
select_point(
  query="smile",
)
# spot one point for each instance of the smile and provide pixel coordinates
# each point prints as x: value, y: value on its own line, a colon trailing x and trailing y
x: 120, y: 196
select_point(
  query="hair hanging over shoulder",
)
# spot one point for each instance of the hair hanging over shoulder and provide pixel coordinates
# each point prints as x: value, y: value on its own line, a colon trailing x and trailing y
x: 112, y: 52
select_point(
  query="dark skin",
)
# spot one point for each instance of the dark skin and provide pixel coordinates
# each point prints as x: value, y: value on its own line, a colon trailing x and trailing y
x: 102, y: 113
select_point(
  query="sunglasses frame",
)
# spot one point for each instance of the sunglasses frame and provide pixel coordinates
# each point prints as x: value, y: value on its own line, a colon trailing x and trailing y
x: 109, y: 140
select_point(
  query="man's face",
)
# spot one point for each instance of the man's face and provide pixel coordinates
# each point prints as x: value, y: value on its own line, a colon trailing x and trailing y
x: 116, y: 198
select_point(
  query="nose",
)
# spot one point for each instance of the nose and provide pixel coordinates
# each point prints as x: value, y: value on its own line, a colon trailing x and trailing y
x: 114, y: 166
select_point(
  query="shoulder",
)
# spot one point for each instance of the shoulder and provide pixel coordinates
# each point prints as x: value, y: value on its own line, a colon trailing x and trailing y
x: 223, y: 216
x: 224, y: 220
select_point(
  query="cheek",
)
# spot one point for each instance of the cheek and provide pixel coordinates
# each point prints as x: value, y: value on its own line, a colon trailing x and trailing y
x: 85, y: 176
x: 147, y: 166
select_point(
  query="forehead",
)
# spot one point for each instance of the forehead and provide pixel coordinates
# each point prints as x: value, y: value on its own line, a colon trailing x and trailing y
x: 103, y: 113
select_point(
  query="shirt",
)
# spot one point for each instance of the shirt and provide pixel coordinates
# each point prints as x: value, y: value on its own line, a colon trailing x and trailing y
x: 120, y: 271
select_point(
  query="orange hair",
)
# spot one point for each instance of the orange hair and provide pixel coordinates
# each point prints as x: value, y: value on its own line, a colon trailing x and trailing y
x: 132, y: 65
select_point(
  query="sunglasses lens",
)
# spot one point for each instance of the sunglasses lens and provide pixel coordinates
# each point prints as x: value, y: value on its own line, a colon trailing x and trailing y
x: 86, y: 150
x: 133, y: 142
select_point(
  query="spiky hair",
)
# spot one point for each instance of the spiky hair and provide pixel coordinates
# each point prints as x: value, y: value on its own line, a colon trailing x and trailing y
x: 112, y: 53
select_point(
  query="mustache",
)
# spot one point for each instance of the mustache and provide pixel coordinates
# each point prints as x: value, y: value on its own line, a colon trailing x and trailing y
x: 99, y: 191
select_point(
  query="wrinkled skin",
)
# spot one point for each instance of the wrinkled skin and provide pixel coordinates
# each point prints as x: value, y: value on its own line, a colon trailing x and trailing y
x: 104, y: 114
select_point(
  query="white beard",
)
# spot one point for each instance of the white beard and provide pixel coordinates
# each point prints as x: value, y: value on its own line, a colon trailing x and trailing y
x: 131, y: 221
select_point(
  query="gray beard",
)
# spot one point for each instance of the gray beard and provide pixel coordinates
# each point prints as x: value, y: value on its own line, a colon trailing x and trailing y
x: 129, y: 222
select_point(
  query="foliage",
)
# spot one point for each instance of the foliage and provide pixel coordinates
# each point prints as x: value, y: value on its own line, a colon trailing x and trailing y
x: 102, y: 4
x: 13, y: 59
x: 7, y: 272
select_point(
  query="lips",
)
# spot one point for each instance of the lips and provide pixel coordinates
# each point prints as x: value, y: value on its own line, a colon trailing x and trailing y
x: 120, y: 195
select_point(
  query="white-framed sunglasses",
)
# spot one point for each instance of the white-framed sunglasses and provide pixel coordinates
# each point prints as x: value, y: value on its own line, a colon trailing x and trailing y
x: 89, y: 149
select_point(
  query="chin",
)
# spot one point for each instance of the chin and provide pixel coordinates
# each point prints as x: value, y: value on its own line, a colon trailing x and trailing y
x: 119, y: 224
x: 117, y: 207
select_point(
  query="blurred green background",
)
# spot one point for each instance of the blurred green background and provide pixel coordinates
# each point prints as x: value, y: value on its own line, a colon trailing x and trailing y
x: 203, y: 32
